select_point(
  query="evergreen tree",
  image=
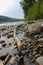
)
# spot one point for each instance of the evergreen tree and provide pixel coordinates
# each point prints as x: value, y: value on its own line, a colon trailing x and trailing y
x: 33, y: 9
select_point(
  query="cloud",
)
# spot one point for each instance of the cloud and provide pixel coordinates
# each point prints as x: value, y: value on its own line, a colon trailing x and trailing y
x: 11, y: 8
x: 6, y: 4
x: 15, y: 12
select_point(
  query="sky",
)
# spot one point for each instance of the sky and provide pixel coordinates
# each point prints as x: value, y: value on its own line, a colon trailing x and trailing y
x: 11, y: 8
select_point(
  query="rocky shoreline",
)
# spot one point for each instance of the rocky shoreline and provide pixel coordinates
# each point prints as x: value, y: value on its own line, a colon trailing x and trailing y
x: 32, y: 41
x: 30, y: 35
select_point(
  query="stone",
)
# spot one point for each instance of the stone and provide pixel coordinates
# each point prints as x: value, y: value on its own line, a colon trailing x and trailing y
x: 34, y: 27
x: 40, y: 40
x: 39, y: 60
x: 4, y: 45
x: 2, y: 41
x: 9, y: 36
x: 1, y: 62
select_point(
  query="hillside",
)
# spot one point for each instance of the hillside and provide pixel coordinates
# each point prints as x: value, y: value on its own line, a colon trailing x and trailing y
x: 9, y: 19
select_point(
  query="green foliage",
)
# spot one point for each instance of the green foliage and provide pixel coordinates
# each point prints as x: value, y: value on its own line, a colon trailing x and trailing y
x: 33, y: 12
x: 33, y: 9
x: 26, y: 4
x: 41, y: 9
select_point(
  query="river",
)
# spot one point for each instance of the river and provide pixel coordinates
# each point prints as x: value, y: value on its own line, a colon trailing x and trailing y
x: 11, y: 23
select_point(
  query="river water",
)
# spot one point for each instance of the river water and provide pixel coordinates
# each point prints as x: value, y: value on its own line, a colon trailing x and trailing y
x: 11, y: 23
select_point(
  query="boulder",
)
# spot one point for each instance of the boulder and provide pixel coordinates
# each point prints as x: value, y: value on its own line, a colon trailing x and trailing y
x: 34, y: 27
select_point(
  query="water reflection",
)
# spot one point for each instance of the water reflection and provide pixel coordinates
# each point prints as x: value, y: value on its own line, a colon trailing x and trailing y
x: 21, y: 34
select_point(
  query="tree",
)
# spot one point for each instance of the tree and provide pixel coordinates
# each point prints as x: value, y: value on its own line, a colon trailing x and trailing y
x: 33, y: 9
x: 26, y: 4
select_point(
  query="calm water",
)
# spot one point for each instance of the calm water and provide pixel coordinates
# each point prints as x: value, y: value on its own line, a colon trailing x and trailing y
x: 21, y: 35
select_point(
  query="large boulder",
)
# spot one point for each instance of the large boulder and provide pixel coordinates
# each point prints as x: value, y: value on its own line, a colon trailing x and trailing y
x: 36, y: 28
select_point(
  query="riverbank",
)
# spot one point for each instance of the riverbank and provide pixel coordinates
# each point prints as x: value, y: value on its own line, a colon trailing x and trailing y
x: 30, y: 37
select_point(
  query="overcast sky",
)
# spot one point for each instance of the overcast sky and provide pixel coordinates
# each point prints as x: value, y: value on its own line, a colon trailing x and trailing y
x: 11, y: 8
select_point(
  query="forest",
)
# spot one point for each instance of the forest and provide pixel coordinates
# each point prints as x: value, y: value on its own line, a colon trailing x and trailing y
x: 33, y: 9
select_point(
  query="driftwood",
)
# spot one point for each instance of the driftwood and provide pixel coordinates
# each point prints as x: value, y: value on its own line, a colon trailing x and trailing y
x: 4, y: 59
x: 17, y: 39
